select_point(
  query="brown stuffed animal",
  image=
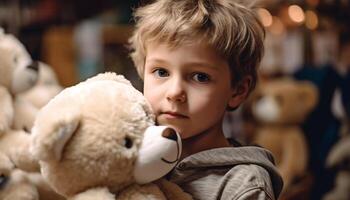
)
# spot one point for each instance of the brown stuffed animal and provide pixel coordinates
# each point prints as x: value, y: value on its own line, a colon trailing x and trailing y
x: 280, y: 106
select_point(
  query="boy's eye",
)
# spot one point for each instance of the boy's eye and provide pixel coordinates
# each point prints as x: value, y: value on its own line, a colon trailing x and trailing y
x: 161, y: 72
x: 201, y: 77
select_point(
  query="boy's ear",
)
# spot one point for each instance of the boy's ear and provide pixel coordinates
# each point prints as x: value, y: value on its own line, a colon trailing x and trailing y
x: 239, y: 93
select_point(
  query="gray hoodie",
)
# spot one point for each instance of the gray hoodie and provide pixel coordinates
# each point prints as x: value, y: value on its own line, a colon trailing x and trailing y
x: 229, y: 173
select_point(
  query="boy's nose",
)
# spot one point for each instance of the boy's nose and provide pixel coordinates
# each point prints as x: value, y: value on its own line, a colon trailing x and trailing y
x: 176, y: 92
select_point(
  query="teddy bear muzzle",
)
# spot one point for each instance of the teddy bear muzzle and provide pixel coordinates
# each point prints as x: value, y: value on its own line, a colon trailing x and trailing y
x: 159, y: 152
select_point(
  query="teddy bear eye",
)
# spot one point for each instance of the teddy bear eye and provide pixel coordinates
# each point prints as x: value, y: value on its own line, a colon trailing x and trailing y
x: 3, y: 181
x: 127, y: 142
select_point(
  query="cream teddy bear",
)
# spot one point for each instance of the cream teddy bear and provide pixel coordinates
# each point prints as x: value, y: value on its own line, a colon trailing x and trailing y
x: 28, y: 103
x: 18, y: 73
x: 27, y: 99
x: 97, y: 140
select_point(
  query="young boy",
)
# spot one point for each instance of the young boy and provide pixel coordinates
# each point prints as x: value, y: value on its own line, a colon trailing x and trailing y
x: 198, y: 58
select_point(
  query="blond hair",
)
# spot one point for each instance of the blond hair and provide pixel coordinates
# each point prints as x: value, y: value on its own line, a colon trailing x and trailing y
x: 230, y: 27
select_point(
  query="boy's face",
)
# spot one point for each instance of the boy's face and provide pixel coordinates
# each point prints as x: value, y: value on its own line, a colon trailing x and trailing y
x: 189, y: 87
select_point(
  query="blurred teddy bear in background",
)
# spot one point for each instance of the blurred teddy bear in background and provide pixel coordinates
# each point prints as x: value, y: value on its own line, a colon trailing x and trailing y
x: 279, y: 106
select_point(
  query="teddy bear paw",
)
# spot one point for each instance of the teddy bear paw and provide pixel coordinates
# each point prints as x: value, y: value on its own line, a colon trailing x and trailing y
x: 94, y: 194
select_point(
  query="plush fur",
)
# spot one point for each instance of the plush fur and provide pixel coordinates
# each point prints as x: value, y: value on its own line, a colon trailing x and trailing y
x: 15, y: 144
x: 45, y: 89
x: 18, y: 74
x: 280, y: 106
x: 44, y: 190
x: 28, y: 103
x: 14, y: 184
x: 91, y: 141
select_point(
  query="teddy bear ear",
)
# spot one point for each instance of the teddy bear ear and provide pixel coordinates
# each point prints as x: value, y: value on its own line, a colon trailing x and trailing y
x: 50, y: 135
x: 109, y: 76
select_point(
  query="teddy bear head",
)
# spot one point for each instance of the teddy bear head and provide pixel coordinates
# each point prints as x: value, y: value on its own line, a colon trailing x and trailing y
x: 45, y: 89
x: 18, y: 71
x: 283, y: 101
x: 101, y: 133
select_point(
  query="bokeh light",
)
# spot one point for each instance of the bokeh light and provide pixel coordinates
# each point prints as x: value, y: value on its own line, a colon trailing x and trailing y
x: 311, y: 20
x: 265, y: 17
x: 296, y: 13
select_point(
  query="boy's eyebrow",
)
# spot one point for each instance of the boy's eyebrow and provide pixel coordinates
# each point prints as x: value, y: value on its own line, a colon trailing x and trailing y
x: 156, y: 60
x: 192, y: 63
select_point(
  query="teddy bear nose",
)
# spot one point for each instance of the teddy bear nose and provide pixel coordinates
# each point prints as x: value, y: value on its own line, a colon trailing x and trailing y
x: 170, y: 134
x: 34, y: 66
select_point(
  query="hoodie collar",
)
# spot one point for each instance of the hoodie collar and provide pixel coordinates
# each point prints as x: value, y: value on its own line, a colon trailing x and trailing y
x: 229, y: 157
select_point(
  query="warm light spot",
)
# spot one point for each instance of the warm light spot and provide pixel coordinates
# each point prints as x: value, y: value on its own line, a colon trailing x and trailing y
x: 265, y: 17
x: 311, y: 20
x: 296, y: 14
x: 277, y: 26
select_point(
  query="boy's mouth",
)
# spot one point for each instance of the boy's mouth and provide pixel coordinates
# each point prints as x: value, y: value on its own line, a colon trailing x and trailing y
x: 169, y: 114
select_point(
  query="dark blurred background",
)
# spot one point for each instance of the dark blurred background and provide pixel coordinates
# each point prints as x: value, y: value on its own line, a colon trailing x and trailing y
x: 305, y: 40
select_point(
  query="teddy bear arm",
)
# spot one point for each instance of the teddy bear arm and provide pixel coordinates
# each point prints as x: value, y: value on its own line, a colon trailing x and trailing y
x: 24, y: 160
x: 24, y: 114
x: 22, y: 192
x: 142, y: 192
x: 6, y: 110
x: 17, y: 144
x: 19, y: 188
x: 45, y: 191
x: 101, y: 193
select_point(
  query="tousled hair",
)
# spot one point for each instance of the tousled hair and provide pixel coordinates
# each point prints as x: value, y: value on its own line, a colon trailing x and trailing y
x: 229, y: 26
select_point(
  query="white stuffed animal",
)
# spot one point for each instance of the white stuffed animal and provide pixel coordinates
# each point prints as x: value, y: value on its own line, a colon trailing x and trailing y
x: 28, y: 103
x: 97, y: 140
x: 18, y: 73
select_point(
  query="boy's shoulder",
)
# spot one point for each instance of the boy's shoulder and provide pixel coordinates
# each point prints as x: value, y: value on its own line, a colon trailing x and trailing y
x: 233, y: 171
x: 245, y: 178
